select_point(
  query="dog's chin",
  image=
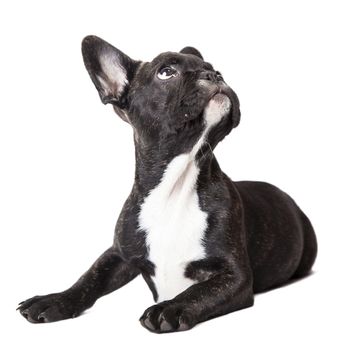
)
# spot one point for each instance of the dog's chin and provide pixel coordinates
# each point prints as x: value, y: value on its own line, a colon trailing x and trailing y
x: 216, y: 109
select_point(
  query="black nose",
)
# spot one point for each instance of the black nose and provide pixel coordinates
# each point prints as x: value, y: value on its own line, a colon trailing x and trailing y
x: 209, y: 75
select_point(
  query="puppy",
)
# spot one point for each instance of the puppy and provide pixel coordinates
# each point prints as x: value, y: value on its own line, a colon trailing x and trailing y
x: 203, y: 243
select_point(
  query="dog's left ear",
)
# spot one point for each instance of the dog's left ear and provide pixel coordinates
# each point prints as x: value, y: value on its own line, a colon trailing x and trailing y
x: 191, y: 51
x: 110, y: 69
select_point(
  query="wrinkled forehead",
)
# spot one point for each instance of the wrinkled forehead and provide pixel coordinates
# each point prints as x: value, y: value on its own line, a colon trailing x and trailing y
x: 186, y: 61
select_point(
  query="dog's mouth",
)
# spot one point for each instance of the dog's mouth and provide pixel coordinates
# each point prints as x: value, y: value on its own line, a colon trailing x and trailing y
x: 228, y: 104
x: 220, y: 98
x: 221, y: 103
x: 218, y: 105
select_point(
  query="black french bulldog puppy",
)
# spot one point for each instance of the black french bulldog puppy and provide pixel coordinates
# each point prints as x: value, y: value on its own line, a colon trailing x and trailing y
x: 203, y: 243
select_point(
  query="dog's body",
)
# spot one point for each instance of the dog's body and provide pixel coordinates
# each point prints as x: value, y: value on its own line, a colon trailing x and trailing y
x: 203, y: 243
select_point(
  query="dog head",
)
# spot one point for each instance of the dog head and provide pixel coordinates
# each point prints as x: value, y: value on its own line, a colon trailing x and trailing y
x: 173, y: 100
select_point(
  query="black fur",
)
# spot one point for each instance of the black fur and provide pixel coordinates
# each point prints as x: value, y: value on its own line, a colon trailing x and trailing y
x: 257, y: 237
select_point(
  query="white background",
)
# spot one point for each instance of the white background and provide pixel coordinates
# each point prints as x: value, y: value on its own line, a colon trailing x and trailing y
x: 67, y: 161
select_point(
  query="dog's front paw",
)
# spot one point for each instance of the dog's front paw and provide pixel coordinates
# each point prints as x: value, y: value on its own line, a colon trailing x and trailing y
x: 168, y: 316
x: 50, y: 308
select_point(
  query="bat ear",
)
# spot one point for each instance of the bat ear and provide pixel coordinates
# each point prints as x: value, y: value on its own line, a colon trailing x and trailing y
x: 191, y: 51
x: 110, y: 69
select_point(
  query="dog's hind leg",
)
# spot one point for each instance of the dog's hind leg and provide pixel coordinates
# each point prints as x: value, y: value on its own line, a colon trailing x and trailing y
x: 107, y: 274
x: 309, y: 248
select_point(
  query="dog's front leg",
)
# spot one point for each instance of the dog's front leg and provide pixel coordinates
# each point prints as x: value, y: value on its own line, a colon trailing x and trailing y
x: 107, y: 274
x: 223, y: 293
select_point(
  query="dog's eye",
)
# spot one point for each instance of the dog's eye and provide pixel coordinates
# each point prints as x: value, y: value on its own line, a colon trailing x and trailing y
x: 166, y: 73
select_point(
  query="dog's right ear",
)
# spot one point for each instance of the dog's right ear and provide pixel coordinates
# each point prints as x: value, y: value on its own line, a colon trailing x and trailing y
x: 110, y: 69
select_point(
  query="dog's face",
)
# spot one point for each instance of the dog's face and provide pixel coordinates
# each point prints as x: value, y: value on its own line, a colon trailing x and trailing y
x: 176, y: 96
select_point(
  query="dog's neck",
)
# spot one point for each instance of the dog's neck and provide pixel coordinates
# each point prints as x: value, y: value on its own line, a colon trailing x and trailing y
x: 183, y: 156
x: 152, y: 162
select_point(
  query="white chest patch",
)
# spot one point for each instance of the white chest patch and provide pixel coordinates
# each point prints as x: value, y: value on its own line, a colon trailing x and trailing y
x: 175, y: 225
x: 173, y: 220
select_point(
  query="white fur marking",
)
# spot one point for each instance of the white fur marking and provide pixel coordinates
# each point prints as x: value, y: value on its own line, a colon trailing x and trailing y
x: 175, y: 225
x: 172, y: 218
x: 216, y: 109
